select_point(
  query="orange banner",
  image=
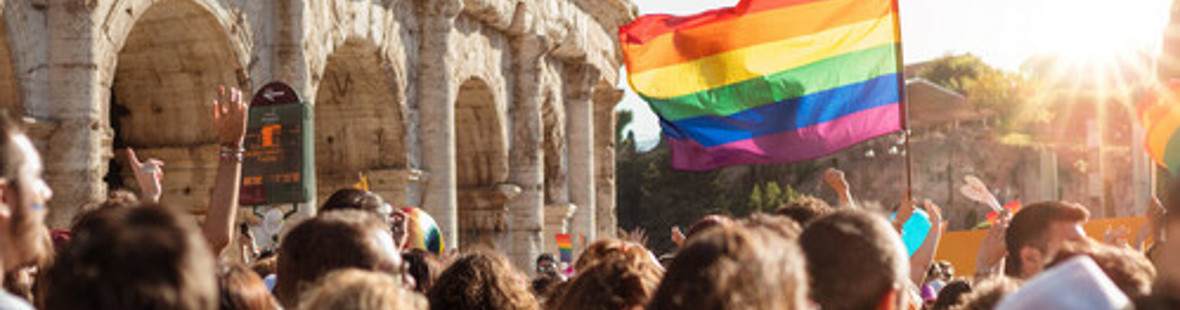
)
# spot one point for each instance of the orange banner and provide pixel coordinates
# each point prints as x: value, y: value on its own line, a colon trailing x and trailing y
x: 960, y: 247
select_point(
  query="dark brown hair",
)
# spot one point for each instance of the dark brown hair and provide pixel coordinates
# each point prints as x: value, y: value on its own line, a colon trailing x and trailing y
x: 854, y: 258
x: 1030, y: 227
x: 735, y: 267
x: 1128, y: 269
x: 144, y: 257
x: 987, y: 294
x: 242, y: 289
x: 353, y: 199
x: 804, y: 209
x: 952, y: 295
x: 706, y: 222
x: 424, y: 267
x: 481, y: 280
x: 331, y: 241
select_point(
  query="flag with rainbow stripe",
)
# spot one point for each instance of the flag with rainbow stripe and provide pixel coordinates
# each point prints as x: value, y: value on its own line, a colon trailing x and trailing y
x: 566, y: 247
x: 769, y: 81
x: 1159, y: 113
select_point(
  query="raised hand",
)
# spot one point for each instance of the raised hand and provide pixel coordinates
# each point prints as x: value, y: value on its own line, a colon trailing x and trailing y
x: 678, y: 236
x: 835, y: 179
x: 1151, y: 228
x: 904, y: 212
x: 148, y: 175
x: 229, y: 117
x: 992, y: 249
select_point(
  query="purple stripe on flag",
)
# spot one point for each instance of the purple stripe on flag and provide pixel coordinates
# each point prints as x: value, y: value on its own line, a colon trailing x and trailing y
x: 803, y: 144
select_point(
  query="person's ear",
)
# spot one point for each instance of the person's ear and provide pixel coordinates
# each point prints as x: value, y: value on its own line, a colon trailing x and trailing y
x: 1030, y: 261
x: 889, y: 301
x: 5, y: 196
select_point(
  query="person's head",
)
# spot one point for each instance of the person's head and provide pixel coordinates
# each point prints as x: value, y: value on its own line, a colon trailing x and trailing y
x: 355, y: 199
x: 612, y: 249
x: 1128, y: 269
x: 545, y: 288
x: 481, y: 280
x: 784, y: 226
x: 242, y: 289
x: 144, y: 257
x: 856, y: 261
x: 611, y: 285
x: 735, y: 267
x: 23, y: 199
x: 804, y: 209
x: 709, y: 221
x: 332, y: 241
x: 356, y: 289
x: 952, y: 295
x: 424, y: 267
x: 987, y: 294
x: 546, y: 264
x: 1037, y: 231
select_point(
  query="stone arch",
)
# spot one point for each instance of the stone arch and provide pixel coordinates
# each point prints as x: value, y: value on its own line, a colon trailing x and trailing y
x: 166, y: 73
x: 481, y: 157
x: 360, y: 123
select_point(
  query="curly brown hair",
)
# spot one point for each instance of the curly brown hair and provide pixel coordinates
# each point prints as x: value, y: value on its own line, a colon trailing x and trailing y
x: 610, y: 249
x: 804, y: 209
x: 1127, y: 268
x: 611, y: 285
x: 481, y: 280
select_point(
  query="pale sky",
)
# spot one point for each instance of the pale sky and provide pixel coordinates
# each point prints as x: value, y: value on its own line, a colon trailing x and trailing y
x: 1003, y: 32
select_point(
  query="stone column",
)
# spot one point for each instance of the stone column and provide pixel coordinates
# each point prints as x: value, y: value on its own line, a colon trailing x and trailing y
x: 604, y: 158
x: 436, y: 100
x: 580, y: 128
x: 79, y: 149
x: 526, y: 212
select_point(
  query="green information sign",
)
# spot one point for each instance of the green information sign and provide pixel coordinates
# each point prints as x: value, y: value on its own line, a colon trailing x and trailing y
x: 278, y: 166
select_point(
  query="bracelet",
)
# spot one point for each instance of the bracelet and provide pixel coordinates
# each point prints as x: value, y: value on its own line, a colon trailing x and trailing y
x: 232, y: 154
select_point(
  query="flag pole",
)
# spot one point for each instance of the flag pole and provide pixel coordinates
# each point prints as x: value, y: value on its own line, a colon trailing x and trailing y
x: 904, y: 102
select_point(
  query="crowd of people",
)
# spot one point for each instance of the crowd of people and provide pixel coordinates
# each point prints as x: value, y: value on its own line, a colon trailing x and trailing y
x: 130, y: 252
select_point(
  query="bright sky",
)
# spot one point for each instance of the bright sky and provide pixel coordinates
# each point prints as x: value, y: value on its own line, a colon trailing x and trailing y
x: 1003, y: 32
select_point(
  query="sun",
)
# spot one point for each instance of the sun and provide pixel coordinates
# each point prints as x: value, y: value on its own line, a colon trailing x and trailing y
x: 1101, y: 30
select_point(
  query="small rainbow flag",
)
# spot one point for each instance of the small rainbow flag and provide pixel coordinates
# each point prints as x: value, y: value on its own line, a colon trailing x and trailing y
x: 1160, y: 115
x: 566, y: 247
x: 768, y: 81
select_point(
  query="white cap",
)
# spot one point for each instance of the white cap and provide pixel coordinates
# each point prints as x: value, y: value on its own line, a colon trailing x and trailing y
x: 1076, y: 284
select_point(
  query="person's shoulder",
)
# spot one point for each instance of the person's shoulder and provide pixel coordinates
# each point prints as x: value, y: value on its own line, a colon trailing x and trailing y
x: 11, y: 302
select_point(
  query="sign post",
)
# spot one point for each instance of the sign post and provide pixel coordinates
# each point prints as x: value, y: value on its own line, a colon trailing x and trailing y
x: 278, y: 166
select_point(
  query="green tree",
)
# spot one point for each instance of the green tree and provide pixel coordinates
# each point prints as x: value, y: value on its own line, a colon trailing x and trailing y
x: 985, y: 87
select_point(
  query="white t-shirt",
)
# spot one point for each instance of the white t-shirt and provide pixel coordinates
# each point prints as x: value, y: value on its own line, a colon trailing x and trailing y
x: 12, y: 302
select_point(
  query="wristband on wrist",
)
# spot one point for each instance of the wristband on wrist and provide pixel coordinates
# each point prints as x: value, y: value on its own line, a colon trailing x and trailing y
x: 234, y: 154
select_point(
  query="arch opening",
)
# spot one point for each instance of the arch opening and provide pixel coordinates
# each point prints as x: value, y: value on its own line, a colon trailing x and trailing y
x: 482, y: 163
x: 359, y: 126
x: 166, y: 77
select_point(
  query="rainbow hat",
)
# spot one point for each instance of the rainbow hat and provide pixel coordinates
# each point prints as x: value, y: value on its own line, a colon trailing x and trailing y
x: 422, y: 231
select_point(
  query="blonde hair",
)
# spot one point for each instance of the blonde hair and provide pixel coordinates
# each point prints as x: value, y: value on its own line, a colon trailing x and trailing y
x: 355, y: 289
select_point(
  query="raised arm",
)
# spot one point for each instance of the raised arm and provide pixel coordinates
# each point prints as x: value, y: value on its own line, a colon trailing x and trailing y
x: 835, y: 179
x: 229, y: 118
x: 990, y: 259
x: 922, y: 258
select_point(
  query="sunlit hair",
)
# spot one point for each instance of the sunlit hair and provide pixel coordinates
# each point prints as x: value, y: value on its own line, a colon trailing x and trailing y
x: 330, y: 241
x: 143, y: 257
x: 613, y: 249
x: 855, y: 260
x: 735, y: 267
x: 353, y: 199
x: 242, y: 289
x: 1127, y: 268
x: 481, y: 280
x: 613, y: 284
x: 804, y: 209
x: 355, y: 289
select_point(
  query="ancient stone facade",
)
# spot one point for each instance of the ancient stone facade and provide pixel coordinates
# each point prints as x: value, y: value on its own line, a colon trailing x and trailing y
x: 496, y: 116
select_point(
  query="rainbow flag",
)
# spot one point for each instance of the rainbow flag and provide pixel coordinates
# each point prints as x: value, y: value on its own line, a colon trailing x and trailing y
x: 768, y: 81
x: 566, y: 247
x: 1160, y: 115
